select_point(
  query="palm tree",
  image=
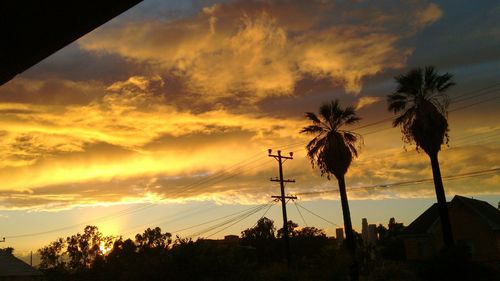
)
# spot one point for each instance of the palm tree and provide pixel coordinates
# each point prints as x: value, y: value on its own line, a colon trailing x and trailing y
x: 332, y: 150
x: 420, y: 105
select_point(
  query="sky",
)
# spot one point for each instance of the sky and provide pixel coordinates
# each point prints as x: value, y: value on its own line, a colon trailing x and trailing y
x: 163, y: 116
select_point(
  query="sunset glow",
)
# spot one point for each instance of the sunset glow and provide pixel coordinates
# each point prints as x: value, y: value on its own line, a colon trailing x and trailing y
x: 175, y: 105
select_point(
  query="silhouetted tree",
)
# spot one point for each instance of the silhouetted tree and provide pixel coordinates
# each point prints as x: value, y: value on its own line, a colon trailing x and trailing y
x: 263, y: 230
x: 390, y: 244
x: 291, y: 230
x: 153, y: 239
x: 310, y: 231
x: 83, y: 249
x: 8, y: 250
x: 262, y: 238
x: 52, y: 255
x: 332, y: 150
x: 420, y: 104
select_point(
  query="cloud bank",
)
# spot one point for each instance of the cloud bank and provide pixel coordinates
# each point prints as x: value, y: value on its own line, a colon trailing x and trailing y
x: 251, y: 50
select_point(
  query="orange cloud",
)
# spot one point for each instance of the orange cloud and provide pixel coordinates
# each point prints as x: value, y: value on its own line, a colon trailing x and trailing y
x: 258, y: 49
x: 366, y: 101
x: 67, y: 143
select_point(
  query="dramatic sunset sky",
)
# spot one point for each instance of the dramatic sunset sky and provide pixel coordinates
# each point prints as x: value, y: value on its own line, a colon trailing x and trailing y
x: 163, y: 116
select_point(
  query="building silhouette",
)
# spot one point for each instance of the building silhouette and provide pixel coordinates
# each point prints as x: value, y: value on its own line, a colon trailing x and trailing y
x: 475, y: 225
x: 339, y: 234
x: 368, y: 232
x: 14, y: 269
x: 229, y: 240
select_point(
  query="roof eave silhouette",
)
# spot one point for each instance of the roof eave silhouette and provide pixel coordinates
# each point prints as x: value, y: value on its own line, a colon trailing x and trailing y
x: 31, y: 32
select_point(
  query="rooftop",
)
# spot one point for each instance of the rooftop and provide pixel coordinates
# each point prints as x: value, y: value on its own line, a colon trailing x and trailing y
x: 489, y: 214
x: 12, y: 266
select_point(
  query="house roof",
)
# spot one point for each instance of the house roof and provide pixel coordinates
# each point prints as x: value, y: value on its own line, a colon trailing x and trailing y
x: 31, y: 32
x: 488, y: 214
x: 12, y: 266
x: 422, y: 224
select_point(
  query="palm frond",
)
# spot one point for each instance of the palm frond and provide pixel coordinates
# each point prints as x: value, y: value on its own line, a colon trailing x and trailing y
x: 354, y: 141
x: 330, y: 142
x: 397, y: 102
x: 406, y: 117
x: 353, y: 149
x: 420, y: 93
x: 311, y: 116
x: 312, y: 129
x: 430, y: 80
x: 349, y: 116
x: 352, y: 120
x: 314, y: 148
x: 326, y: 112
x: 444, y: 82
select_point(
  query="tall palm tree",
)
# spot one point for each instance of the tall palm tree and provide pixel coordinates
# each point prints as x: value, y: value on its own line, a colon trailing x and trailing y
x: 332, y: 150
x: 420, y: 105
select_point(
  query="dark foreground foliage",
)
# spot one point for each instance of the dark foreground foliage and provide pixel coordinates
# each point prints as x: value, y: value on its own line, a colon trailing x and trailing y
x: 258, y: 255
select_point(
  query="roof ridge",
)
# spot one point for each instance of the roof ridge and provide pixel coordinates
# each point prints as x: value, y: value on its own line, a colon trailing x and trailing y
x: 475, y: 203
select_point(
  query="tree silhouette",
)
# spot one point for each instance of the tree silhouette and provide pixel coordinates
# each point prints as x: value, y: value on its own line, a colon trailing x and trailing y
x: 291, y: 230
x: 52, y: 255
x: 332, y: 150
x: 83, y: 249
x: 263, y: 230
x: 153, y: 239
x: 420, y: 105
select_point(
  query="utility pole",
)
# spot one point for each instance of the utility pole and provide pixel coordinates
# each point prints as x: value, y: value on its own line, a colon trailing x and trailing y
x: 281, y: 159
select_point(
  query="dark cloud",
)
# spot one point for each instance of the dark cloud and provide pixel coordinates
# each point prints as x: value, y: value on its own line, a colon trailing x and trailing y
x: 51, y: 91
x: 74, y: 64
x: 467, y: 35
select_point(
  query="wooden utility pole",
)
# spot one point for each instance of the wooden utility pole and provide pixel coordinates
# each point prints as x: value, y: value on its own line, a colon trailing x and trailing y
x: 281, y: 159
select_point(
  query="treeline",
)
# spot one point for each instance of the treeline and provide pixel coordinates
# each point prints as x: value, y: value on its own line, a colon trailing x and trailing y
x: 257, y: 255
x: 156, y: 255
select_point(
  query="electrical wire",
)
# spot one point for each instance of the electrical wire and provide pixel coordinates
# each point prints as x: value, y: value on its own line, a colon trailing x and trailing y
x: 311, y: 212
x: 268, y: 208
x: 229, y: 221
x: 218, y: 219
x: 412, y: 182
x: 230, y: 171
x: 300, y: 213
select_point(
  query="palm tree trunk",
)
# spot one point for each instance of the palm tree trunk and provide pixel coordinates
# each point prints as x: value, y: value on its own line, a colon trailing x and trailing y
x: 350, y: 241
x: 441, y: 199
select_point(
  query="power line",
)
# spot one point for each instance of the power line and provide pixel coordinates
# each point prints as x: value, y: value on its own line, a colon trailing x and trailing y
x: 281, y: 159
x: 402, y: 183
x: 230, y: 171
x: 475, y: 96
x: 220, y: 218
x: 127, y: 211
x: 474, y: 104
x: 477, y: 90
x: 231, y: 220
x: 171, y: 218
x: 268, y: 208
x: 300, y: 213
x: 467, y: 136
x: 451, y: 110
x: 275, y: 201
x: 311, y: 212
x: 373, y: 123
x: 381, y: 121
